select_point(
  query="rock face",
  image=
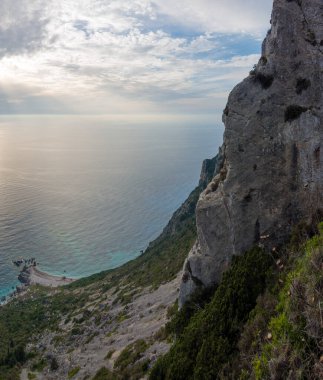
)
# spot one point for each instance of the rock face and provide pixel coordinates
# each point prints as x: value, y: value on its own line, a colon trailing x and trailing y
x: 186, y: 211
x: 270, y: 172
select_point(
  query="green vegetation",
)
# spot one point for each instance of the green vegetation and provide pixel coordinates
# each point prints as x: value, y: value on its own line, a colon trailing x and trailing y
x: 262, y: 322
x: 161, y: 261
x: 54, y: 364
x: 295, y: 330
x: 73, y: 372
x: 129, y: 364
x: 263, y: 318
x: 42, y: 309
x: 104, y: 374
x: 109, y: 354
x: 39, y: 365
x: 164, y: 257
x: 207, y: 340
x: 130, y: 354
x: 23, y: 318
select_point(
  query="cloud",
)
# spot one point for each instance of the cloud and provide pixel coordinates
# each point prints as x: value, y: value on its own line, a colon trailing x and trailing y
x: 22, y: 26
x: 220, y: 16
x: 98, y: 56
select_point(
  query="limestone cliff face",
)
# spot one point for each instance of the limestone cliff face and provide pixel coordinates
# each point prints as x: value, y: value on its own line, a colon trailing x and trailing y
x: 270, y: 176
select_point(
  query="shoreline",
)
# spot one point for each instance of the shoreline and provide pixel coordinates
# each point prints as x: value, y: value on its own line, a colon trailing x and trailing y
x: 33, y: 276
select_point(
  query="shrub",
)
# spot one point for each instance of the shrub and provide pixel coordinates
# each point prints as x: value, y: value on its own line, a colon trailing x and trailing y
x: 53, y: 364
x: 109, y: 354
x: 181, y: 318
x: 295, y: 326
x: 104, y: 374
x: 131, y: 354
x: 39, y: 365
x: 73, y: 372
x: 209, y: 340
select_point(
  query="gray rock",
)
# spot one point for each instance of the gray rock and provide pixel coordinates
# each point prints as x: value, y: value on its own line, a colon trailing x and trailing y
x: 271, y: 174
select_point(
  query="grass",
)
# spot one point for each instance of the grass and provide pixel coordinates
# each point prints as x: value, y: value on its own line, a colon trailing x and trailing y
x: 295, y: 324
x: 73, y: 372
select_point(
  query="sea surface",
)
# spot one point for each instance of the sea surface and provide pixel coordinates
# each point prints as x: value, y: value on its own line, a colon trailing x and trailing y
x: 82, y: 195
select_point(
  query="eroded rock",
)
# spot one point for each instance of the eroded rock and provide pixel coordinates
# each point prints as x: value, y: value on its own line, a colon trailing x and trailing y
x: 271, y: 174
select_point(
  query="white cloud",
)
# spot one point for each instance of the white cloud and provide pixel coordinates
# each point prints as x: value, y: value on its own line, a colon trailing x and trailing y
x: 225, y: 16
x: 22, y: 26
x: 117, y: 56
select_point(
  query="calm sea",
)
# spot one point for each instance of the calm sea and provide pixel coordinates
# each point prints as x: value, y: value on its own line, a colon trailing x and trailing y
x: 86, y: 194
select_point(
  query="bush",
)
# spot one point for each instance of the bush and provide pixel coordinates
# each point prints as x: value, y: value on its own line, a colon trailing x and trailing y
x: 295, y: 326
x: 104, y: 374
x: 109, y: 354
x: 209, y: 340
x: 131, y: 354
x: 39, y: 365
x: 53, y: 364
x: 181, y: 318
x: 73, y: 372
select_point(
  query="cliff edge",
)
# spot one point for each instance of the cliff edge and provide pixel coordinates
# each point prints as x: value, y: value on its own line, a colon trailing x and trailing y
x: 270, y: 175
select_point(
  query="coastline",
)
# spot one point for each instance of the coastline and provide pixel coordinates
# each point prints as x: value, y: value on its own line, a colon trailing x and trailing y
x: 33, y: 276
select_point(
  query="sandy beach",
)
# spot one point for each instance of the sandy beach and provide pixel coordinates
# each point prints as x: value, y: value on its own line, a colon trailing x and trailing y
x: 35, y: 276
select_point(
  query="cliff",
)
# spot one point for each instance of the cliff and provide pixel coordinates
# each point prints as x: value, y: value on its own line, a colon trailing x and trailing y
x: 269, y: 176
x: 264, y: 319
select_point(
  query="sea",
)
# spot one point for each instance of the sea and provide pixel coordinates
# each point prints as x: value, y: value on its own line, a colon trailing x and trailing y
x: 86, y: 194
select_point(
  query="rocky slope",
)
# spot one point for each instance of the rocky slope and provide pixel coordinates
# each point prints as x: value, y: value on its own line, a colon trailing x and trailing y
x: 111, y: 321
x: 270, y: 173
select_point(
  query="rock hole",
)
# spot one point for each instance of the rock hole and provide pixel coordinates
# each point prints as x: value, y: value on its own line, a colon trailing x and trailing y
x: 257, y: 231
x: 293, y: 112
x: 240, y: 149
x: 317, y: 153
x: 302, y: 84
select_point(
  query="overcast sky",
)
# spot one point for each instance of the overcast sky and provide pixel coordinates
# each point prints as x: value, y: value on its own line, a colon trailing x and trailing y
x: 126, y: 56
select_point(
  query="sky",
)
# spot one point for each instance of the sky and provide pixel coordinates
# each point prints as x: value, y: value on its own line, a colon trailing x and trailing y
x: 112, y: 57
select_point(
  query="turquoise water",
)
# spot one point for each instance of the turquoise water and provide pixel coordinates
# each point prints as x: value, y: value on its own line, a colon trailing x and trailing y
x: 83, y: 195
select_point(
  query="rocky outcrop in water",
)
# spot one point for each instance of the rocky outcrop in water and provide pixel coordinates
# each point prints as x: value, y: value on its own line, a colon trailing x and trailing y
x: 270, y: 175
x: 24, y: 276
